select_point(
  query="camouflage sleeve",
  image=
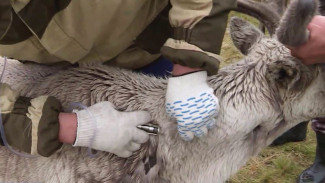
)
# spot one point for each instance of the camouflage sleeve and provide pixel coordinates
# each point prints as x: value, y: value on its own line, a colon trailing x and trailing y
x: 30, y: 125
x: 5, y: 17
x: 198, y: 30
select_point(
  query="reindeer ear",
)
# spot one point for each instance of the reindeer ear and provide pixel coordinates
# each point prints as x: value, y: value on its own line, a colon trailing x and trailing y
x: 244, y: 35
x: 282, y: 73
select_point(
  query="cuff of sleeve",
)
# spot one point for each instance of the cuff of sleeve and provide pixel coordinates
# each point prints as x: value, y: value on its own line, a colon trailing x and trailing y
x: 183, y: 53
x: 45, y: 140
x: 85, y: 129
x: 15, y: 123
x: 189, y: 84
x: 32, y: 125
x: 193, y: 78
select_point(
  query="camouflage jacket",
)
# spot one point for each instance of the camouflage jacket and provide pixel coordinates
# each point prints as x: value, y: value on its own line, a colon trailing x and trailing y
x: 125, y: 33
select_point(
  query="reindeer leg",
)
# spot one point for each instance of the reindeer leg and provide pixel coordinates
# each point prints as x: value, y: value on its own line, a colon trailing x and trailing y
x: 295, y: 134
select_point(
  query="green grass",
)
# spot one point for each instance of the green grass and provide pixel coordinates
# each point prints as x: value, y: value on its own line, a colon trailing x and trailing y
x: 281, y: 164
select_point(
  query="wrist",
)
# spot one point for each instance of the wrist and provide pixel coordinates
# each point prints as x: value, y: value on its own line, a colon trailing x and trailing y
x: 68, y: 127
x: 181, y: 70
x: 86, y: 127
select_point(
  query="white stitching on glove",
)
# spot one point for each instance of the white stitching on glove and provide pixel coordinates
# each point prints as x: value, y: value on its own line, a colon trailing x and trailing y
x: 116, y: 132
x: 191, y: 101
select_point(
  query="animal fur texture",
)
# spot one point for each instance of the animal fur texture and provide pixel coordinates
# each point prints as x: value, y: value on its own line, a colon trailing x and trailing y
x: 293, y: 26
x: 261, y: 96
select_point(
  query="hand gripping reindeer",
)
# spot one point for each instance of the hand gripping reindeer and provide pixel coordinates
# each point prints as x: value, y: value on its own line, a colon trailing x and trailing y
x: 261, y: 96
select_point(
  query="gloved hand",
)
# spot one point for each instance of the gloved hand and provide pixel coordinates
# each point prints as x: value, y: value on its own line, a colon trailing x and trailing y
x: 116, y: 132
x: 191, y: 101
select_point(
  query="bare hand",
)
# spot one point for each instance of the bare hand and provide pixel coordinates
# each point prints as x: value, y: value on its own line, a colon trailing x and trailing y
x: 313, y: 51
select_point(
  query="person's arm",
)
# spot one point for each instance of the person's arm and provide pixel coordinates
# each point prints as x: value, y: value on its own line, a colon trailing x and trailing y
x: 5, y: 17
x: 30, y: 124
x: 12, y: 28
x: 179, y: 70
x: 68, y: 127
x: 194, y: 48
x: 313, y: 51
x: 38, y: 126
x: 198, y: 31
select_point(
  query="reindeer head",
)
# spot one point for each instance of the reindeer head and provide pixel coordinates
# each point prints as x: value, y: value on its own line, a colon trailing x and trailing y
x: 299, y: 90
x: 260, y: 97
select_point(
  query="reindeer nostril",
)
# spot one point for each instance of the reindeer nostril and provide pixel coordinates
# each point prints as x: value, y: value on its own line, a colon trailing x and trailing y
x: 282, y: 74
x: 257, y: 128
x: 322, y: 93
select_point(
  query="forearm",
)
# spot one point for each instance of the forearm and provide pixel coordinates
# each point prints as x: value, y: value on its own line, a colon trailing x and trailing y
x: 198, y: 31
x: 30, y: 124
x: 179, y: 70
x: 68, y: 127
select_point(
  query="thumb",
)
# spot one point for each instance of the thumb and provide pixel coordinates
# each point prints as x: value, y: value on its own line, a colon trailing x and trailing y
x: 138, y: 117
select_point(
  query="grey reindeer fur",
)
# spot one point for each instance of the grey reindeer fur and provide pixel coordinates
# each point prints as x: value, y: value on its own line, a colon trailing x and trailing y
x: 261, y: 96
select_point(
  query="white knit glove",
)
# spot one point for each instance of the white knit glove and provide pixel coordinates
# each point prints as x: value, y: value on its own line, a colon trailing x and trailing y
x: 115, y: 132
x: 191, y: 101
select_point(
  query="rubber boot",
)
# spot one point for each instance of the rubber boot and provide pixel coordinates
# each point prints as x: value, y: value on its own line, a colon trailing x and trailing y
x: 316, y: 173
x: 295, y: 134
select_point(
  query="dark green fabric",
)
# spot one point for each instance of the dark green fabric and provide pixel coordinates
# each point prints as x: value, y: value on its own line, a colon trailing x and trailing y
x: 36, y: 14
x: 208, y: 35
x: 48, y: 128
x: 18, y: 126
x: 156, y: 34
x: 209, y: 32
x: 5, y: 16
x: 12, y: 29
x: 194, y: 59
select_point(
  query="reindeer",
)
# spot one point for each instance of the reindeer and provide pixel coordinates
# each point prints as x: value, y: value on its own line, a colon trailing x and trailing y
x: 261, y: 96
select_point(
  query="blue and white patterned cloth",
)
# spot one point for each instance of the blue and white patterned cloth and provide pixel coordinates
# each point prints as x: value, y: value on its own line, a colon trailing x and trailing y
x: 191, y: 101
